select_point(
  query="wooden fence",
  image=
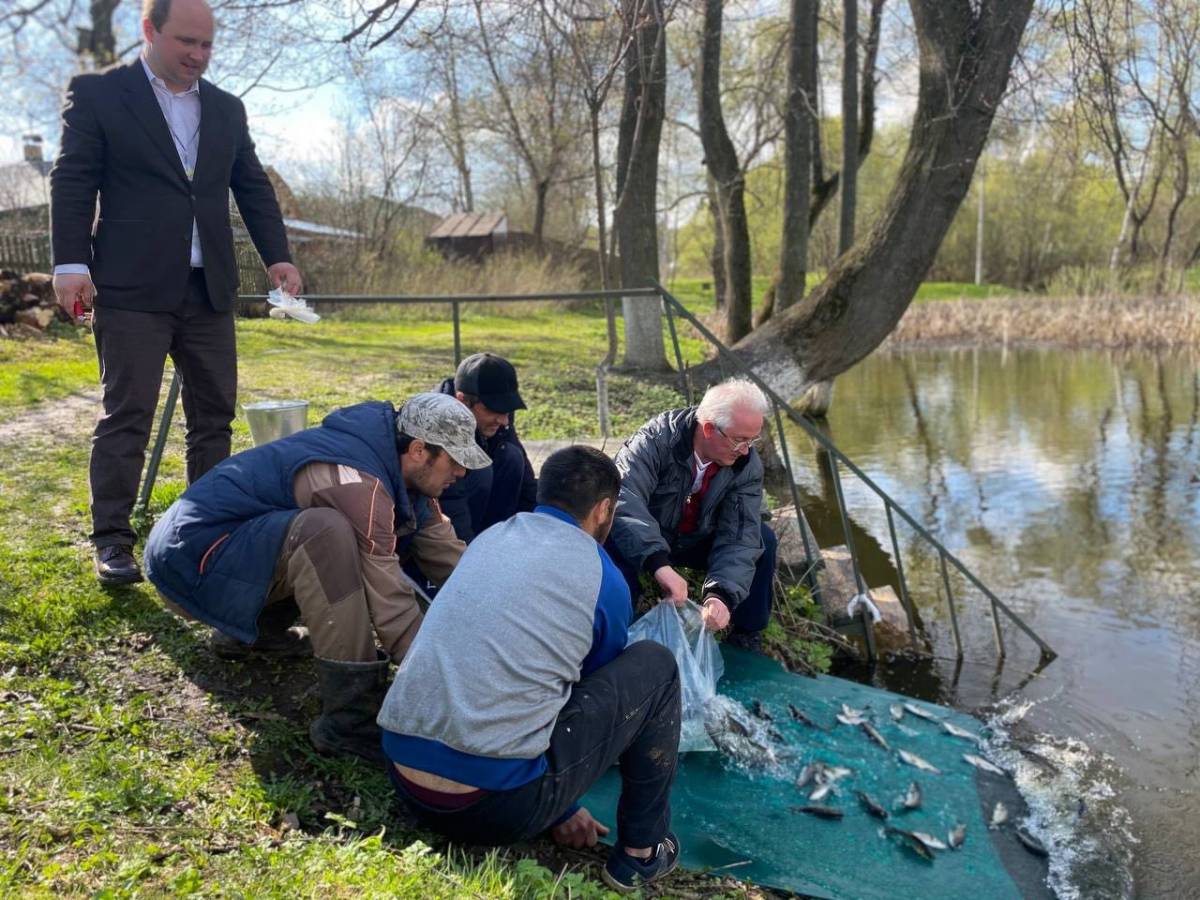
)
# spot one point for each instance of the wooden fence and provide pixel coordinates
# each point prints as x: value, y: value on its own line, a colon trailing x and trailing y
x: 24, y: 253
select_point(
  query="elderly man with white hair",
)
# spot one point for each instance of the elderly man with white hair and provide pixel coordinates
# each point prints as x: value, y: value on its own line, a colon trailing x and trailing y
x: 692, y: 495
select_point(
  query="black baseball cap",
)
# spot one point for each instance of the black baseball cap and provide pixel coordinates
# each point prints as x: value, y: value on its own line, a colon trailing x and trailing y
x: 492, y: 379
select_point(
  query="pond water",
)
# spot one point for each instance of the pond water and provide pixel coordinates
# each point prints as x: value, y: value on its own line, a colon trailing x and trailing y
x: 1069, y: 482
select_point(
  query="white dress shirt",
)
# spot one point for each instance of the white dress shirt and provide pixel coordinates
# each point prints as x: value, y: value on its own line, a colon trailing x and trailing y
x: 182, y: 114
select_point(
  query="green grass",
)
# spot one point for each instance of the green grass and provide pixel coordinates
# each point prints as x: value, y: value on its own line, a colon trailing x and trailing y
x: 133, y: 763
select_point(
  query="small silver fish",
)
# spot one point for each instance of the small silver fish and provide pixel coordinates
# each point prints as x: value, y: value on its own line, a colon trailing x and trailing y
x: 897, y: 711
x: 807, y: 774
x: 913, y: 760
x: 799, y: 715
x: 847, y: 720
x: 912, y: 797
x: 959, y: 732
x: 831, y: 774
x: 822, y: 791
x: 851, y: 713
x: 957, y: 835
x: 1030, y: 843
x: 982, y: 764
x: 912, y: 842
x: 821, y: 812
x: 871, y: 806
x: 999, y: 816
x: 923, y: 713
x: 873, y: 733
x: 929, y: 840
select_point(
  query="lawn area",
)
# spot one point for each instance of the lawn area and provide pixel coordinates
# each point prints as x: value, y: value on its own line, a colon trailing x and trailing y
x: 133, y: 762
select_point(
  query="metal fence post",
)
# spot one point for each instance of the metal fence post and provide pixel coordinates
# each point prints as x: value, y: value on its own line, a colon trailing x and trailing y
x: 160, y: 442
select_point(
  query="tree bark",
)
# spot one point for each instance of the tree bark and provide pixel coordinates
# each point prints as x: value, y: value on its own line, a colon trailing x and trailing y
x: 849, y: 124
x: 716, y: 258
x: 636, y: 213
x: 720, y: 158
x: 966, y: 53
x: 797, y: 155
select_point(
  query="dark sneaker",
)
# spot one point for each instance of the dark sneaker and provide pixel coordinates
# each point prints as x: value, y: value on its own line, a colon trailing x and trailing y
x: 115, y: 565
x: 745, y: 640
x: 624, y: 873
x: 288, y: 644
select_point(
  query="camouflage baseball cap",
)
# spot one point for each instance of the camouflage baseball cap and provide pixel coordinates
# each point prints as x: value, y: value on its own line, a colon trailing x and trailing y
x: 441, y: 420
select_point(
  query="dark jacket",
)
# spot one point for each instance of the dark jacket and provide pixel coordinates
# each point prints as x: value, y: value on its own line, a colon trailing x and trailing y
x: 656, y: 476
x: 116, y: 143
x: 466, y: 501
x: 215, y: 549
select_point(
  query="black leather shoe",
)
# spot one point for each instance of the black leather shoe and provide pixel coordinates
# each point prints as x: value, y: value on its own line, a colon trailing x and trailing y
x: 115, y: 565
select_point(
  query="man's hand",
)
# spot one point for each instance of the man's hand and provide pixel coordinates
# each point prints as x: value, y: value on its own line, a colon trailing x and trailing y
x: 673, y: 586
x: 71, y: 288
x: 287, y: 276
x: 579, y: 831
x: 714, y: 614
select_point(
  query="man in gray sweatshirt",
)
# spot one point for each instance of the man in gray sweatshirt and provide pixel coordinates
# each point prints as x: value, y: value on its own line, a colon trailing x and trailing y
x: 518, y: 692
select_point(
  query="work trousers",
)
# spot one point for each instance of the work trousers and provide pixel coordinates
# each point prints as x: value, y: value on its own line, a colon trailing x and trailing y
x: 626, y: 713
x: 133, y: 347
x: 753, y: 613
x: 319, y: 576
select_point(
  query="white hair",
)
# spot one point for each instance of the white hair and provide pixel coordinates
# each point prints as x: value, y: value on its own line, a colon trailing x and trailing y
x: 722, y: 399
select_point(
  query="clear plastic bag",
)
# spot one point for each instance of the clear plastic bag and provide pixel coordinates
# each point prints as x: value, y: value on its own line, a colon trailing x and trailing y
x: 681, y: 631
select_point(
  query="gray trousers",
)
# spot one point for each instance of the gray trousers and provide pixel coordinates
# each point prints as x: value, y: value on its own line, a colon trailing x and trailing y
x: 133, y: 347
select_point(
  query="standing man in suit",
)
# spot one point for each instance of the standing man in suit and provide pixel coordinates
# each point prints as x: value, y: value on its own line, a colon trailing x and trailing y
x: 162, y: 149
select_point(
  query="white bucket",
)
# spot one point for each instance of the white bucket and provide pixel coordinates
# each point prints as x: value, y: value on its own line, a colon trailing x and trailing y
x: 272, y: 419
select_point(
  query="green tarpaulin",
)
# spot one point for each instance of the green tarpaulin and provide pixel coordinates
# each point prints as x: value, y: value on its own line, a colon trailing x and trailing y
x: 745, y: 823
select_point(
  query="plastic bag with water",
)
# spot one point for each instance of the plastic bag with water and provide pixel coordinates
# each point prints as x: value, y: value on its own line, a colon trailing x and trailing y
x: 681, y: 631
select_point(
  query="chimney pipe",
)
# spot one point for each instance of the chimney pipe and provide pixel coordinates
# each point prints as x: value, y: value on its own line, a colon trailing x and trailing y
x: 33, y: 147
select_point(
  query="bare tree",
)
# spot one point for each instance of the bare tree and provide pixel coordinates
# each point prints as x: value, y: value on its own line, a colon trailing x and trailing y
x: 966, y: 53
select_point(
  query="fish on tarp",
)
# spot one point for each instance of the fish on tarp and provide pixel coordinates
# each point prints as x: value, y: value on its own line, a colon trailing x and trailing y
x: 911, y: 842
x: 821, y: 792
x: 851, y: 713
x: 953, y: 729
x: 1037, y: 759
x: 957, y: 835
x: 897, y: 711
x: 1030, y: 843
x: 922, y: 713
x: 999, y: 815
x: 982, y: 764
x: 912, y: 797
x: 871, y: 806
x: 821, y: 812
x: 848, y: 720
x: 913, y: 760
x: 873, y: 733
x: 800, y: 716
x: 760, y: 711
x: 735, y: 739
x: 830, y: 774
x: 808, y: 774
x: 930, y: 841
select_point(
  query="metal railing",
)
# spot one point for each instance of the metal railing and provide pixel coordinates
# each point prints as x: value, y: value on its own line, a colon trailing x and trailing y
x: 726, y: 358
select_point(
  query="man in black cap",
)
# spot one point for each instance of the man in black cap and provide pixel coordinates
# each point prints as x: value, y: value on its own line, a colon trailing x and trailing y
x: 487, y: 385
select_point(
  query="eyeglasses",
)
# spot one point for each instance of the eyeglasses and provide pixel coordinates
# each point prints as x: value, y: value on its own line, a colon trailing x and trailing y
x: 739, y: 446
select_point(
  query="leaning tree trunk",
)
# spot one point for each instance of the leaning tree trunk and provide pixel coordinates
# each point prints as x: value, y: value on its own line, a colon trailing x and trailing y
x: 716, y: 257
x: 720, y: 157
x: 966, y: 54
x: 636, y: 214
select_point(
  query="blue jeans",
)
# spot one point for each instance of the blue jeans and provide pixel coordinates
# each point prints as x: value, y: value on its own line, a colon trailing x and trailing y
x: 753, y: 613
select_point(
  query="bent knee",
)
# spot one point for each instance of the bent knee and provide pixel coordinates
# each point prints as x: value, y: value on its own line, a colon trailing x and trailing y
x: 654, y: 662
x: 323, y: 523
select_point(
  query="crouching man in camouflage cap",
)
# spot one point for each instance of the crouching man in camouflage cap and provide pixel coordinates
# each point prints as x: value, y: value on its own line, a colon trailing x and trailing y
x: 318, y: 525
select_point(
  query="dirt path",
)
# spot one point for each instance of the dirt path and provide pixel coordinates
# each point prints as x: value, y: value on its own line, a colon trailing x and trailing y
x: 69, y: 417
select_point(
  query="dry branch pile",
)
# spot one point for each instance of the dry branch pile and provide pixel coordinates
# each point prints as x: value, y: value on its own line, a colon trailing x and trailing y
x: 27, y: 305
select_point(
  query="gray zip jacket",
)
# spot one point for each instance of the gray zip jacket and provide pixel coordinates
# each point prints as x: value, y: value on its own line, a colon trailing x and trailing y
x: 656, y: 476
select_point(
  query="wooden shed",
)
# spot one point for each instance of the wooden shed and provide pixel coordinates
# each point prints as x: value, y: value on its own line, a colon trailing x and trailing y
x: 470, y: 235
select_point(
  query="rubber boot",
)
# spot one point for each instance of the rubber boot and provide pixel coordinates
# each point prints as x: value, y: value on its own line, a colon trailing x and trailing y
x: 351, y: 694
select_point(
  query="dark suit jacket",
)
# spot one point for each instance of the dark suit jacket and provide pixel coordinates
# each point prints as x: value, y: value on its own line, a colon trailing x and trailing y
x: 116, y: 142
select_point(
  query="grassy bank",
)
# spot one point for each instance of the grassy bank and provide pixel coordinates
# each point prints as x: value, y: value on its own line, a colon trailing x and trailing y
x: 1151, y: 323
x: 133, y: 762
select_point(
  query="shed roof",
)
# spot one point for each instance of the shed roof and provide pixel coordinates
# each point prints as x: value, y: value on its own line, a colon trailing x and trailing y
x: 469, y: 224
